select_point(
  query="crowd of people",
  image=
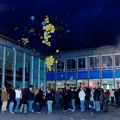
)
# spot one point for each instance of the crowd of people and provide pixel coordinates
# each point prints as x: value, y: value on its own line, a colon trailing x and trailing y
x: 33, y: 99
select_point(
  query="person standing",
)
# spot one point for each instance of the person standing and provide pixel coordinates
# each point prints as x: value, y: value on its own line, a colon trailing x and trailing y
x: 92, y: 103
x: 97, y: 100
x: 73, y: 99
x: 87, y: 97
x: 49, y: 99
x: 82, y: 100
x: 57, y: 99
x: 106, y: 101
x: 17, y: 97
x: 31, y: 98
x: 4, y: 99
x: 11, y: 100
x: 112, y: 95
x: 24, y: 101
x: 65, y: 100
x: 38, y: 101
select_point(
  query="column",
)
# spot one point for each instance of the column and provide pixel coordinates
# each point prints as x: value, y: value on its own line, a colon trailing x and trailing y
x: 88, y: 69
x: 3, y: 66
x: 31, y: 70
x: 76, y: 72
x: 38, y: 72
x: 24, y: 61
x: 14, y: 68
x: 56, y: 74
x: 65, y: 72
x: 100, y: 62
x: 113, y: 59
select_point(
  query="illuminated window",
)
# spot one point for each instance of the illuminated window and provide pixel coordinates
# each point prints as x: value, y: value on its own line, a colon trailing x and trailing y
x: 94, y: 62
x: 81, y: 63
x: 60, y: 65
x: 106, y: 62
x: 117, y: 60
x: 71, y: 64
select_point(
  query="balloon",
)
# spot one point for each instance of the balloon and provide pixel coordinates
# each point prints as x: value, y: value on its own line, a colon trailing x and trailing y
x: 43, y: 23
x: 32, y: 18
x: 49, y: 61
x: 32, y: 30
x: 25, y: 40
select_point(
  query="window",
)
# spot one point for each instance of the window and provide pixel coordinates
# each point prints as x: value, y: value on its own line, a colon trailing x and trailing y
x: 27, y: 70
x: 9, y: 67
x: 71, y: 64
x: 35, y: 71
x: 19, y: 68
x: 106, y: 62
x: 60, y: 65
x: 117, y: 60
x: 81, y: 63
x: 94, y: 62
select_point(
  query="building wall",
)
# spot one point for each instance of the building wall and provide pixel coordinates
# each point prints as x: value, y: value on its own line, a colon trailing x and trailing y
x: 102, y: 65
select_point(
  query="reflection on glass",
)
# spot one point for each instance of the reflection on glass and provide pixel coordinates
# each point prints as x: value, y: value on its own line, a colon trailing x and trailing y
x: 71, y: 64
x: 1, y: 56
x: 106, y: 62
x: 60, y: 66
x: 94, y: 62
x: 19, y: 69
x: 9, y: 67
x: 81, y: 63
x: 42, y: 72
x: 27, y: 70
x: 35, y: 71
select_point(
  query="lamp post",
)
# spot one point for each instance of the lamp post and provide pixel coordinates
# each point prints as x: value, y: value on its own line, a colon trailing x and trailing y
x: 56, y: 74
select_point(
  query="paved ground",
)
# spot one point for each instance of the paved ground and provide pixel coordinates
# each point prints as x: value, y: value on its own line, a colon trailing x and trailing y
x: 113, y: 114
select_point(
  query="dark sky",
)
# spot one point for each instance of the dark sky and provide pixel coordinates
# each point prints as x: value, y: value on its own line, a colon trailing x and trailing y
x: 79, y: 23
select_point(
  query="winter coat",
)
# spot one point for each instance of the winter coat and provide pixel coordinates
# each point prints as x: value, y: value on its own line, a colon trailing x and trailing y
x: 97, y: 95
x: 49, y: 96
x: 4, y: 96
x: 31, y: 96
x: 24, y: 99
x: 87, y: 92
x: 12, y: 95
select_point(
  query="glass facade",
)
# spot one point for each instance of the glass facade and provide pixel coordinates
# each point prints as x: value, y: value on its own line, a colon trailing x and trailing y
x: 9, y: 67
x: 35, y: 71
x: 15, y: 67
x: 19, y: 68
x: 1, y: 61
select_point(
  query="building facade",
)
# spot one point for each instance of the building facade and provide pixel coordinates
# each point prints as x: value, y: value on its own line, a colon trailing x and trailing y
x: 89, y: 67
x: 20, y: 66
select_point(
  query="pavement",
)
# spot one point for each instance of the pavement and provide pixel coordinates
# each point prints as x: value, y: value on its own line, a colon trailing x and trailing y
x: 113, y: 114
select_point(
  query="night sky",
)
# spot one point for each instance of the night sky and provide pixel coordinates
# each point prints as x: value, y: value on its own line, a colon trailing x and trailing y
x: 79, y: 23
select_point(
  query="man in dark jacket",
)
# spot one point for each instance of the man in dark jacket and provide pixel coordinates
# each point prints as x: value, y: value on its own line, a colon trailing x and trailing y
x: 87, y: 97
x: 97, y: 100
x: 11, y: 100
x: 31, y: 98
x: 49, y: 99
x: 65, y: 100
x: 24, y: 101
x: 38, y: 101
